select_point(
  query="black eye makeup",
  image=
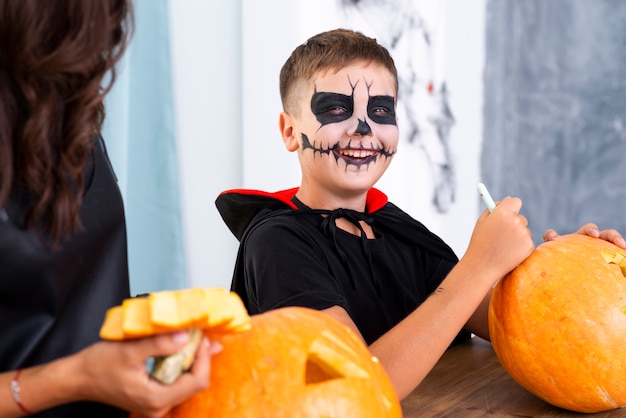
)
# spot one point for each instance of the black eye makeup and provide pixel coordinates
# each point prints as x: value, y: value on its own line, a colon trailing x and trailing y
x: 381, y: 110
x: 331, y: 107
x: 335, y: 107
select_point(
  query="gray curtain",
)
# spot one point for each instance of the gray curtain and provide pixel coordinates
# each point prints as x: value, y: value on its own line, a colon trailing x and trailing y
x: 140, y: 136
x: 555, y: 110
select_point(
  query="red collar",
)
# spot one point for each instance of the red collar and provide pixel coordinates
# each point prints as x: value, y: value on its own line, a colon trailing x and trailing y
x: 374, y: 201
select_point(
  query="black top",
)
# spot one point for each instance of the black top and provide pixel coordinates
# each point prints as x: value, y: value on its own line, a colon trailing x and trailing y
x: 53, y: 302
x: 292, y: 255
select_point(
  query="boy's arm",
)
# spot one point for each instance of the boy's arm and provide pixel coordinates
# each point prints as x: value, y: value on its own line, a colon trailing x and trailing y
x: 478, y: 323
x: 412, y: 348
x: 500, y: 241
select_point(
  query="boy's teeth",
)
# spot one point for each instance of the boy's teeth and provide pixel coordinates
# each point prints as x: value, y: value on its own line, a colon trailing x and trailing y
x: 357, y: 153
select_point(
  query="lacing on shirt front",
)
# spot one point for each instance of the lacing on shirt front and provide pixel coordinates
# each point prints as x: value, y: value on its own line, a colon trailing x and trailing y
x: 329, y: 228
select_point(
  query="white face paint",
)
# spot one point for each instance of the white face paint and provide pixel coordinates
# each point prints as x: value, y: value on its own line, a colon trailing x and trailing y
x: 348, y: 133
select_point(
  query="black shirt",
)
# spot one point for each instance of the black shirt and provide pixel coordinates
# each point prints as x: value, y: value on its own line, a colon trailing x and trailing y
x: 290, y: 257
x: 52, y: 302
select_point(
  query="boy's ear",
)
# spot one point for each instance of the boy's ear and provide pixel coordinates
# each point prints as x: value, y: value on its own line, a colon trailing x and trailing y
x: 287, y: 131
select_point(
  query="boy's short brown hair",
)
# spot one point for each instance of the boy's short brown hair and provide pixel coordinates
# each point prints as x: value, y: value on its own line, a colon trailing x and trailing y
x: 331, y: 50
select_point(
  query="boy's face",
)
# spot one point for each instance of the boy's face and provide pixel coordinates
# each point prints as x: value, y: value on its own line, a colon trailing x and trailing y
x: 346, y: 128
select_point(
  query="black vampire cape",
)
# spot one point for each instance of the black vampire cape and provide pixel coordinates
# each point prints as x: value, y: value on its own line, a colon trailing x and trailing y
x: 243, y: 209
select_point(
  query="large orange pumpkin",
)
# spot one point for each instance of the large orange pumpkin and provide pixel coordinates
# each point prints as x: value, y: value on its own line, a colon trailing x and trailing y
x: 558, y: 323
x: 286, y: 363
x: 294, y: 362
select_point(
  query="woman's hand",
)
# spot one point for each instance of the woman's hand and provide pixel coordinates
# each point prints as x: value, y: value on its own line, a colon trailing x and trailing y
x: 592, y: 230
x: 115, y: 373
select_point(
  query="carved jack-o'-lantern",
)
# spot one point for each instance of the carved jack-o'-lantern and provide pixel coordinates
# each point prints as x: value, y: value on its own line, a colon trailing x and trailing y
x: 558, y: 323
x: 290, y: 362
x: 294, y: 362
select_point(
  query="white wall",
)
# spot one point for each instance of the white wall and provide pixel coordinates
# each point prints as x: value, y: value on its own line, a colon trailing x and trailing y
x: 206, y: 57
x: 227, y: 58
x: 463, y: 68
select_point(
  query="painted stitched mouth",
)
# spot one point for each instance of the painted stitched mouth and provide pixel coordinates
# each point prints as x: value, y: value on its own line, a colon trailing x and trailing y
x: 351, y: 156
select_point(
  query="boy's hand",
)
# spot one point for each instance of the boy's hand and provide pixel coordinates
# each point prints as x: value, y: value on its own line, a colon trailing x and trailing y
x: 592, y: 230
x: 501, y: 239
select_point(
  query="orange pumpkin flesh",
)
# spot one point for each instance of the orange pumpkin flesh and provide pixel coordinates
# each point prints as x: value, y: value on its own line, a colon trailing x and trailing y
x: 290, y: 362
x: 558, y: 323
x: 170, y: 310
x: 195, y: 309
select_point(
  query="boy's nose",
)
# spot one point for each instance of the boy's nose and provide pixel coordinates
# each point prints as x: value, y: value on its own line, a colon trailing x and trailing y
x: 363, y: 128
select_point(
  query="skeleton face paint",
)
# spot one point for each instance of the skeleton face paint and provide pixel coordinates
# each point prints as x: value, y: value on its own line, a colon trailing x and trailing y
x: 350, y: 130
x: 335, y: 107
x: 330, y: 107
x: 381, y: 109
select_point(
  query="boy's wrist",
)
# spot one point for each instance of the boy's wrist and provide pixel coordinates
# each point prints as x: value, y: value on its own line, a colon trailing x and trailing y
x: 476, y: 271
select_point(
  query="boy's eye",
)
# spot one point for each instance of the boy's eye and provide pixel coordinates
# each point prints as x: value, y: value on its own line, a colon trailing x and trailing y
x: 331, y: 107
x: 337, y: 110
x: 381, y: 109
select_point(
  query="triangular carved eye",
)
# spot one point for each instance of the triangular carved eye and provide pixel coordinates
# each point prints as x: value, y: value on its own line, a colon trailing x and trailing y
x: 329, y: 358
x: 617, y: 258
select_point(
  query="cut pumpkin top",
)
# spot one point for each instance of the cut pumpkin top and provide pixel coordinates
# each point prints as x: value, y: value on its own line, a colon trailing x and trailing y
x: 216, y: 309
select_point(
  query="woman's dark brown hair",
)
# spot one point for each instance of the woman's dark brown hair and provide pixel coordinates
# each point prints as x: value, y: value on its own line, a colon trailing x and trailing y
x: 57, y: 61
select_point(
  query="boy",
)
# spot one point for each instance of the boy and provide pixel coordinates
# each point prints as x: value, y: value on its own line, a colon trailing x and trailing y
x: 336, y: 244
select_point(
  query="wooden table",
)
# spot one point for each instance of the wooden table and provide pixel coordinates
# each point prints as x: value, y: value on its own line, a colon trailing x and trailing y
x: 469, y: 382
